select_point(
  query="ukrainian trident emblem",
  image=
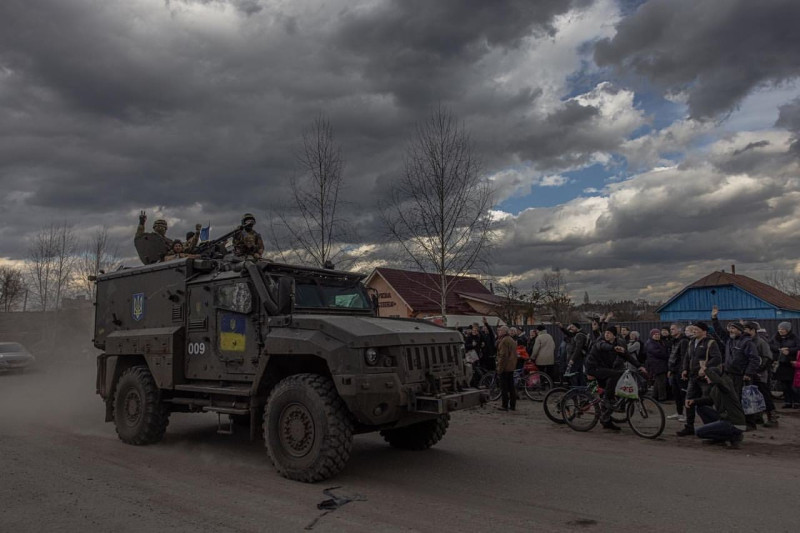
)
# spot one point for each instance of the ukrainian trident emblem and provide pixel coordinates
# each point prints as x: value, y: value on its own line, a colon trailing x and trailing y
x: 137, y: 306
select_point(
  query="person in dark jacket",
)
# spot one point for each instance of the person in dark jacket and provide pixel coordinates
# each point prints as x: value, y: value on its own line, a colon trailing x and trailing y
x: 761, y: 378
x: 472, y: 340
x: 488, y: 346
x: 784, y: 347
x: 741, y: 358
x: 606, y: 363
x: 577, y: 348
x: 598, y: 326
x: 677, y: 352
x: 720, y: 410
x: 657, y: 364
x: 702, y: 352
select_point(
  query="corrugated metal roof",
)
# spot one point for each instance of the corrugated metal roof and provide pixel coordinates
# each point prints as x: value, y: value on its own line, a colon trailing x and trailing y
x: 421, y: 291
x: 760, y: 290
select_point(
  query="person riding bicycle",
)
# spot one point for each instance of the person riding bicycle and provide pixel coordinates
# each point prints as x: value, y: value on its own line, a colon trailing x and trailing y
x: 606, y: 363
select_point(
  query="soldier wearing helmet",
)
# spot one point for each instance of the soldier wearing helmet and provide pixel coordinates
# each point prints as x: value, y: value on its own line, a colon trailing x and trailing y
x: 247, y: 243
x: 159, y: 228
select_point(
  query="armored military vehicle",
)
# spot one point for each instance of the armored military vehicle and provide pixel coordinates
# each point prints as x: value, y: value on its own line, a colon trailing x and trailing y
x: 298, y: 352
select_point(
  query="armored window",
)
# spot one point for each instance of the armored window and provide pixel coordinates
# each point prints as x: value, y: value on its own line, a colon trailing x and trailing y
x: 234, y: 297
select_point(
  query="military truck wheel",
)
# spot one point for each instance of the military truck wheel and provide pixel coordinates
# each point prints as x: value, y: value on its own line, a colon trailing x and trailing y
x: 307, y: 428
x: 138, y: 413
x: 419, y: 436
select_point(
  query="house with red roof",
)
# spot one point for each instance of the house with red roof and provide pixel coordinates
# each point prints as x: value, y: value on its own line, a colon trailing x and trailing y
x: 736, y: 295
x: 411, y: 294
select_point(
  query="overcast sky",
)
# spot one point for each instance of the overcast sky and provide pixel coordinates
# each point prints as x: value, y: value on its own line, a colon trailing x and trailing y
x: 635, y: 145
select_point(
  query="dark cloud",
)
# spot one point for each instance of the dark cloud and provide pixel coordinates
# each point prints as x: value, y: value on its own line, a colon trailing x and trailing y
x: 717, y: 52
x: 789, y: 118
x: 403, y: 43
x: 195, y: 107
x: 750, y: 146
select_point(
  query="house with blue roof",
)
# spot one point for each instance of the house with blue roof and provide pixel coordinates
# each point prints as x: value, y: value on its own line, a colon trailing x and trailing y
x: 735, y: 295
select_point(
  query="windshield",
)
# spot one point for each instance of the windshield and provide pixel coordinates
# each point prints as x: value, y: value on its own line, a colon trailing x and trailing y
x: 11, y: 347
x: 327, y: 296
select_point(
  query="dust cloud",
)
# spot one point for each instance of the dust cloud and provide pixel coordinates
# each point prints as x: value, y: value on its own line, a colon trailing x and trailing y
x: 59, y: 390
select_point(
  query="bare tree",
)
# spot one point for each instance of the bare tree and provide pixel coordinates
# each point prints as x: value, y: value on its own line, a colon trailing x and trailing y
x: 98, y: 255
x: 51, y: 263
x: 439, y: 208
x: 785, y: 281
x: 509, y: 309
x: 553, y: 287
x: 312, y: 230
x: 12, y: 287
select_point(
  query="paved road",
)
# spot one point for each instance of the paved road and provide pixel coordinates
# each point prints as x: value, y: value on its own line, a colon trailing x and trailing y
x: 63, y: 469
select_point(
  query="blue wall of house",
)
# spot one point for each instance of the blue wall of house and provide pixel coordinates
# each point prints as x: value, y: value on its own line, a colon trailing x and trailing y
x: 733, y: 302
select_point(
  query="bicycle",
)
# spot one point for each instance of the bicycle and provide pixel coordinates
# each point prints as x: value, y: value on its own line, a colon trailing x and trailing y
x: 553, y: 401
x: 553, y: 404
x: 581, y: 410
x: 478, y: 373
x: 534, y: 383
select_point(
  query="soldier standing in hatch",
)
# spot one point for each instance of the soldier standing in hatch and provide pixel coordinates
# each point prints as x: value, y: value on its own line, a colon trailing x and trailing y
x: 159, y: 228
x: 247, y: 243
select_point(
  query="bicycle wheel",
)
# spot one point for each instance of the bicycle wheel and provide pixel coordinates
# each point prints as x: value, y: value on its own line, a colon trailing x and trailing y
x: 620, y: 413
x: 537, y: 384
x: 491, y: 383
x: 646, y: 417
x: 553, y: 403
x: 581, y: 411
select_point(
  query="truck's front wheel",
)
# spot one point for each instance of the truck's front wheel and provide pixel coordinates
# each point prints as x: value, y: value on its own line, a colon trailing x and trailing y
x: 307, y: 428
x: 139, y: 415
x: 419, y: 436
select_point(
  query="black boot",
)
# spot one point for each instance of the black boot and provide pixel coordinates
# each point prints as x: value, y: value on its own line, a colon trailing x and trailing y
x: 686, y: 431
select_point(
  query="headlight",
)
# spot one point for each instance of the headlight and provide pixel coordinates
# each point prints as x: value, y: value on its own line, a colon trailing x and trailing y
x: 371, y: 356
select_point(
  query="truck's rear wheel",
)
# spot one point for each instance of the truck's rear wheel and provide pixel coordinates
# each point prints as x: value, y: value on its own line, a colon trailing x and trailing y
x: 307, y: 428
x: 139, y: 415
x: 419, y: 436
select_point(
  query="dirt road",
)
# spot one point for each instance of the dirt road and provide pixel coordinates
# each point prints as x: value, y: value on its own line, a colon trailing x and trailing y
x: 63, y: 469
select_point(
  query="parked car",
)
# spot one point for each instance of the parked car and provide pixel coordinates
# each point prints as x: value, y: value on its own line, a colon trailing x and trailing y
x: 14, y: 356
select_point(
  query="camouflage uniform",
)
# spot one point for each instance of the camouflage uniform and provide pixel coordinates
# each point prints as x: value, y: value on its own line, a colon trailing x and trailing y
x: 158, y: 223
x: 159, y: 233
x: 247, y: 242
x: 191, y: 242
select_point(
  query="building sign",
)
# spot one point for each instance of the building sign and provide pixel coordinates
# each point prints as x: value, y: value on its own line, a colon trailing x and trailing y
x: 384, y: 295
x: 387, y: 304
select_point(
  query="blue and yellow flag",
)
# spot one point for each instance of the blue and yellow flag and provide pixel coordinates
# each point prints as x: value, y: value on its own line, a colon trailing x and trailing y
x: 232, y: 330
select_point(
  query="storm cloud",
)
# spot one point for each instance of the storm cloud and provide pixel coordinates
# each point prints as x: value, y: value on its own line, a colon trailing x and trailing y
x: 193, y: 109
x: 715, y: 52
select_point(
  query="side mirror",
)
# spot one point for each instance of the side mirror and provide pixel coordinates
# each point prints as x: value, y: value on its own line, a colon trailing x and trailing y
x: 285, y: 295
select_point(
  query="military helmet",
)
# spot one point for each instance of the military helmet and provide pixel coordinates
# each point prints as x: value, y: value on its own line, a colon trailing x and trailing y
x: 248, y: 216
x: 160, y: 222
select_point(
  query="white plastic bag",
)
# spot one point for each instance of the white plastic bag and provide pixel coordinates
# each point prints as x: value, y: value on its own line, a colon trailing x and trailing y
x: 472, y: 356
x: 627, y: 387
x: 752, y: 400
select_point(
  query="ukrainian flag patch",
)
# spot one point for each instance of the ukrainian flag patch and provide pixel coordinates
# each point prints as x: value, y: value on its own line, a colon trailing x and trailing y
x: 232, y: 329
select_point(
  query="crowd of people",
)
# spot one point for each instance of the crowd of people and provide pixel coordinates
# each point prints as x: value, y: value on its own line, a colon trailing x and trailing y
x: 703, y: 368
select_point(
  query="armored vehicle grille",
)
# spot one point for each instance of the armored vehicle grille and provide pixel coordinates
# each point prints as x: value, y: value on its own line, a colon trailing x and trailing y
x: 177, y: 313
x: 436, y: 357
x: 198, y: 324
